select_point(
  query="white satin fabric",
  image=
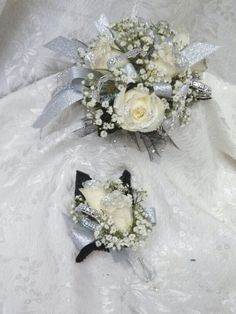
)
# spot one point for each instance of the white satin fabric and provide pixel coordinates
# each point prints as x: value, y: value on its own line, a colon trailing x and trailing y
x: 193, y: 247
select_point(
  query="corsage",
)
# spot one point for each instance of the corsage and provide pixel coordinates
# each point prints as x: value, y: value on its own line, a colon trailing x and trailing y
x: 108, y: 216
x: 139, y: 76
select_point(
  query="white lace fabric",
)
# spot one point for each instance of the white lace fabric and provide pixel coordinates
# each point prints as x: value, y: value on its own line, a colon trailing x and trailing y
x: 192, y: 248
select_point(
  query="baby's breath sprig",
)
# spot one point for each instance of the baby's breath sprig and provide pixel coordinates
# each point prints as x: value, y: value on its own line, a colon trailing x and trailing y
x: 111, y: 186
x: 107, y: 234
x: 76, y: 216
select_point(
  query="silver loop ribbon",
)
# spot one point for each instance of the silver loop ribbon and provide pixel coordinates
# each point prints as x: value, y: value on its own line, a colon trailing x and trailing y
x: 163, y: 90
x: 86, y: 210
x: 73, y: 73
x: 118, y: 58
x: 130, y: 72
x: 102, y: 80
x: 88, y: 223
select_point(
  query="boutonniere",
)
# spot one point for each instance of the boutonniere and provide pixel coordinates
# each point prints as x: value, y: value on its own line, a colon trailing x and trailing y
x: 108, y: 216
x: 138, y: 76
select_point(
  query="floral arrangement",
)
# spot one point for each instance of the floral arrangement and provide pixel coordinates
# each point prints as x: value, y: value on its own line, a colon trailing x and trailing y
x: 136, y: 75
x: 108, y: 215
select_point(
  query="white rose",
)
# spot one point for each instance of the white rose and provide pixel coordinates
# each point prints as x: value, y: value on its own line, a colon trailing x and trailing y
x: 116, y: 205
x: 119, y: 207
x: 102, y: 52
x: 93, y: 195
x: 138, y: 110
x: 166, y: 62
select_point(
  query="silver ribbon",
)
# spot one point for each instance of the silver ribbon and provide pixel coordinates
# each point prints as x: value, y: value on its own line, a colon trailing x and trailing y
x: 102, y: 80
x: 103, y: 27
x: 130, y: 54
x: 88, y: 223
x: 63, y: 99
x: 130, y: 72
x: 66, y: 47
x: 86, y: 210
x: 197, y: 51
x: 71, y: 78
x: 80, y: 235
x: 154, y: 142
x: 163, y: 90
x: 73, y: 74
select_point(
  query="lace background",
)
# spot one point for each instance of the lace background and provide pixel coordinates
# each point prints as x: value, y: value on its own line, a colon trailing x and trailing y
x: 193, y: 247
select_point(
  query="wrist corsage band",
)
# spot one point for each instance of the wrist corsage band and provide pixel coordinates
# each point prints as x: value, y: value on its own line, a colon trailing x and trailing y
x: 136, y: 75
x: 108, y: 216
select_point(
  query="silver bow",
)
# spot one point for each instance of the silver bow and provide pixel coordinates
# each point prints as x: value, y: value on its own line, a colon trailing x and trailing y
x: 71, y: 91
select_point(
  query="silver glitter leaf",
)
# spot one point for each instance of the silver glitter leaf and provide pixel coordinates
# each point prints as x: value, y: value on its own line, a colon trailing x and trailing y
x: 197, y: 51
x: 102, y: 26
x: 66, y: 47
